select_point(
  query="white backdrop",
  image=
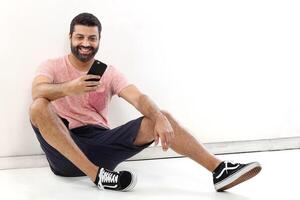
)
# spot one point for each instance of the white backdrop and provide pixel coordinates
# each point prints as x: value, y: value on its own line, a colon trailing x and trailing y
x: 228, y: 70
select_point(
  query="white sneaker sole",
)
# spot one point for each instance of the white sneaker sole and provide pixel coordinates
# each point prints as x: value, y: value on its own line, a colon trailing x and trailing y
x: 244, y: 174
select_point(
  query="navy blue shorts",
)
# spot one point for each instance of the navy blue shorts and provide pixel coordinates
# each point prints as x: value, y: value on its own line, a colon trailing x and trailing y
x: 104, y: 147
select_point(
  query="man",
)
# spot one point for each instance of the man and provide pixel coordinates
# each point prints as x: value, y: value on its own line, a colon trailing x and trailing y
x: 69, y: 117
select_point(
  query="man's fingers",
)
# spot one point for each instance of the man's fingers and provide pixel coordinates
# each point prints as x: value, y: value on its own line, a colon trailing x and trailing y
x: 156, y: 139
x: 90, y: 76
x: 164, y: 143
x: 91, y: 88
x: 167, y: 140
x: 168, y: 137
x: 92, y: 83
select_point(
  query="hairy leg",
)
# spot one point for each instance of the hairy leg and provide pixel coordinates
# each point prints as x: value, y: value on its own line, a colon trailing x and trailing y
x: 183, y: 143
x: 57, y: 135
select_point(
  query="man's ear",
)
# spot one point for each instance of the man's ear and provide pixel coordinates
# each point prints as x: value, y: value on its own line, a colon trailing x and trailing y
x: 70, y: 36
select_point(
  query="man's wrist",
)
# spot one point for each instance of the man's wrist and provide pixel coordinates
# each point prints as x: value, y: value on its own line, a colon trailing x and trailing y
x: 65, y: 89
x: 157, y: 115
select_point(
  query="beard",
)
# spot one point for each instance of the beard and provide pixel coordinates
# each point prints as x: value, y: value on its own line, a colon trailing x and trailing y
x: 84, y: 57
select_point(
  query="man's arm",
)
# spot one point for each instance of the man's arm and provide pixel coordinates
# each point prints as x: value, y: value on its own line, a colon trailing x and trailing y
x: 162, y: 127
x: 42, y: 87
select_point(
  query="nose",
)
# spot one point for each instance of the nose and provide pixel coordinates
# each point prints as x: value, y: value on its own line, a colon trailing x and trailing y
x: 86, y: 42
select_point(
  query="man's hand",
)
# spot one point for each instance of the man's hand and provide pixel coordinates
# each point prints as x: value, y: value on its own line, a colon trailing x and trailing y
x: 162, y: 127
x: 164, y: 131
x: 81, y: 85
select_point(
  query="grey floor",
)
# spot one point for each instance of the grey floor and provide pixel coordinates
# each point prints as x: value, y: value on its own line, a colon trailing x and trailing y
x: 176, y: 178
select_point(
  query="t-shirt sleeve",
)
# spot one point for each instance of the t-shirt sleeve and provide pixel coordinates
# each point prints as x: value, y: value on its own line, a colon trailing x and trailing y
x: 118, y: 82
x: 46, y: 69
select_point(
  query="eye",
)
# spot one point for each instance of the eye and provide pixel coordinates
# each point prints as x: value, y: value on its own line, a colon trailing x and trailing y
x: 93, y: 39
x: 79, y: 37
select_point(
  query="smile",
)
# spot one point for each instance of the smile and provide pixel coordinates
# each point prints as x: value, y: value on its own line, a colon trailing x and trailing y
x: 84, y: 50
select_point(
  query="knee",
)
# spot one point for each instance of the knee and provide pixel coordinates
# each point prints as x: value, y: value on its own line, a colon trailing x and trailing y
x: 37, y: 108
x: 175, y: 124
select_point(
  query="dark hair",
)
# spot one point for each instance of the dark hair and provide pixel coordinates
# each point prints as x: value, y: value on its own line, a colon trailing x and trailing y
x: 85, y: 19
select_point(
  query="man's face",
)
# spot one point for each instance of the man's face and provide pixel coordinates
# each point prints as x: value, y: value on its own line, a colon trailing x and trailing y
x: 85, y: 42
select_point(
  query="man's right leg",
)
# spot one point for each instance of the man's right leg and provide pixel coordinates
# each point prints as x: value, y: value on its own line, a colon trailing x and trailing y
x: 57, y: 135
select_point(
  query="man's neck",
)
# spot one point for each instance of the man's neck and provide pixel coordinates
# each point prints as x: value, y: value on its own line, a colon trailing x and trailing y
x: 79, y: 65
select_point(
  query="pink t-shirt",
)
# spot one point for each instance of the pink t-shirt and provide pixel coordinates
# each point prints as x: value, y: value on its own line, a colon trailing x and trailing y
x: 87, y: 108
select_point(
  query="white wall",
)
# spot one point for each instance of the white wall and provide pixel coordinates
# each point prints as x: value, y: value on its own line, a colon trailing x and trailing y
x: 228, y: 70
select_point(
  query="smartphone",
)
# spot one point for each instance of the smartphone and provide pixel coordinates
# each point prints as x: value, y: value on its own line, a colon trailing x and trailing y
x: 97, y: 68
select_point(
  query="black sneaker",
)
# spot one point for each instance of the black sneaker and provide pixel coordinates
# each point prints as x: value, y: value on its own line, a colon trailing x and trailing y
x: 111, y: 180
x: 229, y: 174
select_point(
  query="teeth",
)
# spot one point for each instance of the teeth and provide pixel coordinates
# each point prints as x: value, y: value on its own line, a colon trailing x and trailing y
x: 84, y: 50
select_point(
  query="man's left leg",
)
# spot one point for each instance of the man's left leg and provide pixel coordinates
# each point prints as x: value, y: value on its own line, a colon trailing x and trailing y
x: 185, y: 144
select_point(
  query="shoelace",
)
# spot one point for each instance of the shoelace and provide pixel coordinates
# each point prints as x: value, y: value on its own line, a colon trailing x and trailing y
x: 228, y: 168
x: 107, y: 177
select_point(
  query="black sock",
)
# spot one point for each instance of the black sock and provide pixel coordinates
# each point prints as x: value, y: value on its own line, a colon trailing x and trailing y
x: 97, y: 177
